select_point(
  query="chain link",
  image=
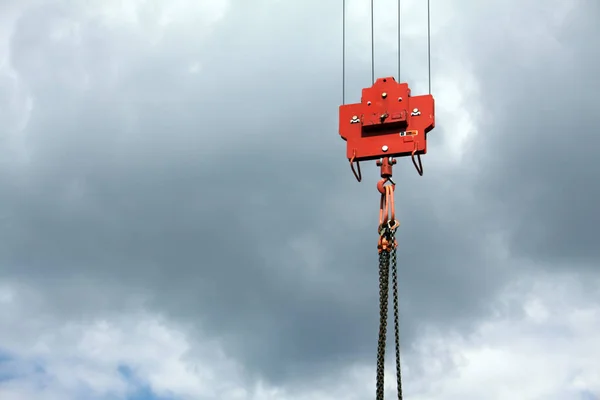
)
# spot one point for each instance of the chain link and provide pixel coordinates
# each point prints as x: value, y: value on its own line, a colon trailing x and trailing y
x: 384, y: 282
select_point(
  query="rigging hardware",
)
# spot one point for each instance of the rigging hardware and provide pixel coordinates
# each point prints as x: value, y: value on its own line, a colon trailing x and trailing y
x: 387, y: 123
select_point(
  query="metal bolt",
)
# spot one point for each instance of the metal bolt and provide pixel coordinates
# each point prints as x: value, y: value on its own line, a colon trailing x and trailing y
x: 415, y: 112
x: 384, y: 95
x: 399, y: 98
x: 384, y: 148
x: 368, y: 103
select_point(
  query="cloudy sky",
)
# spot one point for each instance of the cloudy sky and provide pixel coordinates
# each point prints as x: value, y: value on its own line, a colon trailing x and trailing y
x: 178, y: 219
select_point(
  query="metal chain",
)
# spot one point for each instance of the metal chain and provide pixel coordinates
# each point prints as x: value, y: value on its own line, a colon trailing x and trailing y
x: 396, y: 324
x: 384, y: 281
x: 384, y: 265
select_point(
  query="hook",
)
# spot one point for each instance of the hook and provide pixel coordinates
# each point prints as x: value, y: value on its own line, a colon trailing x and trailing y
x: 420, y: 166
x: 359, y: 175
x: 382, y: 182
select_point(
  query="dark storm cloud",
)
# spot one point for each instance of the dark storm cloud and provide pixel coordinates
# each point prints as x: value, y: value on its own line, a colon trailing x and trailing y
x: 542, y: 175
x: 189, y: 189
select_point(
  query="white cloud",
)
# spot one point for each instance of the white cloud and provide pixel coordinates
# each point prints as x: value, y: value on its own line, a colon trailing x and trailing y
x: 86, y: 356
x: 153, y: 17
x: 542, y: 343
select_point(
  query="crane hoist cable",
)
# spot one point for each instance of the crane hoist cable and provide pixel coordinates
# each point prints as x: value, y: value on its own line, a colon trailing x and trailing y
x: 387, y: 123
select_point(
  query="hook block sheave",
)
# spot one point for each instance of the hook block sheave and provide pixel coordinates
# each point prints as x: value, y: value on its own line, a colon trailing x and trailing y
x: 388, y: 122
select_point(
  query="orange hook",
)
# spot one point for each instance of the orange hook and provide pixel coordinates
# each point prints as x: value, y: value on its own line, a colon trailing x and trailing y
x: 386, y: 164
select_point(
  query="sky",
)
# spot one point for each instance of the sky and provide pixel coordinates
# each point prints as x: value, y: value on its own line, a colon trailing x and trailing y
x: 178, y: 219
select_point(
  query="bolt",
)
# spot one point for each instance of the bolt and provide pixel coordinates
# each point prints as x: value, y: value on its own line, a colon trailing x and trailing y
x: 384, y: 148
x: 368, y: 103
x: 384, y: 95
x: 415, y: 112
x: 399, y: 98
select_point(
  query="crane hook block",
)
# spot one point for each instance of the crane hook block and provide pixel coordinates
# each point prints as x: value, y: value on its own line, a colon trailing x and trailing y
x: 388, y: 122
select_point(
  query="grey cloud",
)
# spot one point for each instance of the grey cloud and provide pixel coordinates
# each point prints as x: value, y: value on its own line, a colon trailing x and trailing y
x: 541, y: 176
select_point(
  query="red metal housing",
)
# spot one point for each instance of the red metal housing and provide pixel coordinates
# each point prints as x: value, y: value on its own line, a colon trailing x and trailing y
x: 388, y: 122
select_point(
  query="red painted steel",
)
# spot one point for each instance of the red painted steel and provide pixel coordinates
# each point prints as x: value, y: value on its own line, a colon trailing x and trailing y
x: 388, y: 122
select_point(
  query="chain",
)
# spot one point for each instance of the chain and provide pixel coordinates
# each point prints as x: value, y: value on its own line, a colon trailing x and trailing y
x: 384, y: 281
x: 384, y: 272
x: 396, y: 324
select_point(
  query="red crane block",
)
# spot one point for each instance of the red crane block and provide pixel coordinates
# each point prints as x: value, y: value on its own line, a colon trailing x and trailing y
x: 388, y: 122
